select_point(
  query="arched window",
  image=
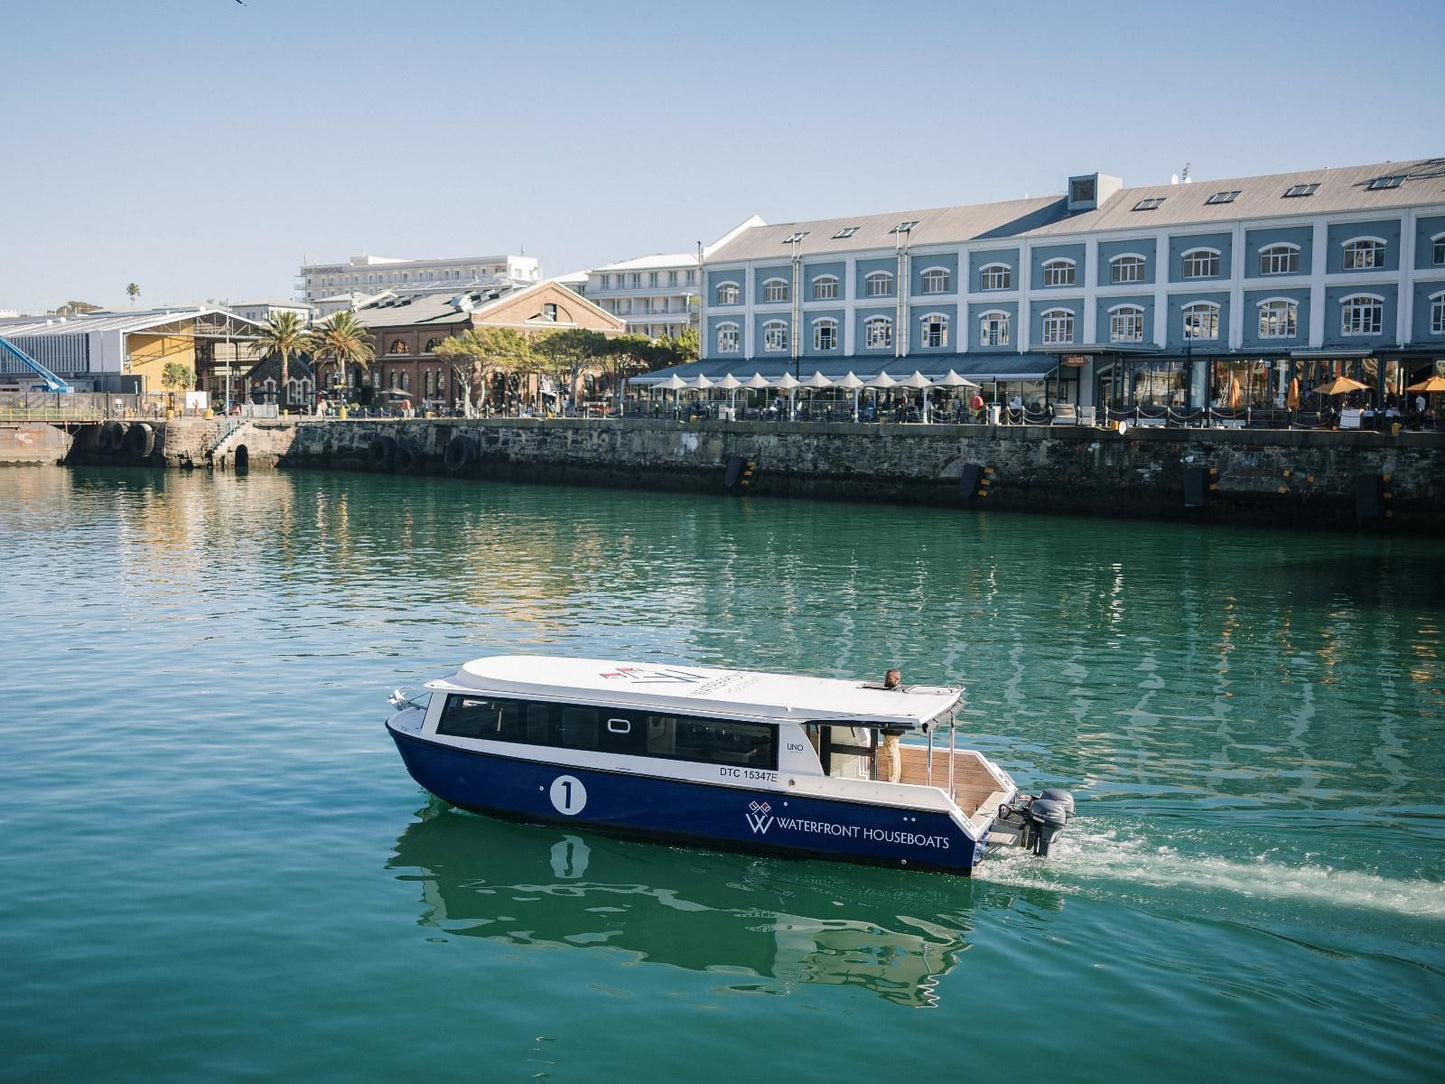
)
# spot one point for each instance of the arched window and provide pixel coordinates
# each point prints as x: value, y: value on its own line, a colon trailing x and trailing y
x: 1362, y: 314
x: 877, y: 333
x: 431, y: 346
x: 775, y: 290
x: 398, y: 346
x: 995, y: 276
x: 1201, y: 320
x: 878, y: 284
x: 1126, y: 324
x: 1364, y: 254
x: 993, y: 328
x: 937, y: 280
x: 1278, y: 318
x: 775, y: 335
x: 1058, y: 326
x: 825, y: 288
x: 727, y: 338
x: 405, y: 380
x: 441, y: 383
x: 426, y: 384
x: 825, y: 334
x: 935, y: 330
x: 728, y: 293
x: 1059, y: 272
x: 1437, y: 313
x: 1279, y: 259
x: 1201, y: 263
x: 1126, y: 267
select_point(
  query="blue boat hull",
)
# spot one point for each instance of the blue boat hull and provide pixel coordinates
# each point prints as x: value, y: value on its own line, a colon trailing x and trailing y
x: 734, y: 818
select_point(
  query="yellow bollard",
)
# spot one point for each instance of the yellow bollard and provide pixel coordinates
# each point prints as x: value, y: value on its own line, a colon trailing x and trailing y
x: 341, y: 413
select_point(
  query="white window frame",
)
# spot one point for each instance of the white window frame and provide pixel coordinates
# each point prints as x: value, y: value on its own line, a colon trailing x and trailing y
x: 1354, y: 310
x: 825, y: 323
x: 1281, y: 251
x: 775, y: 336
x: 1205, y: 257
x: 1278, y: 318
x: 734, y: 293
x: 994, y: 327
x: 878, y: 333
x: 941, y: 318
x: 995, y: 276
x: 825, y: 288
x: 1138, y: 262
x: 1437, y: 313
x: 878, y: 284
x: 1377, y: 247
x: 1059, y: 271
x: 937, y: 280
x: 1126, y: 323
x: 1058, y: 327
x: 727, y: 333
x: 1204, y: 310
x: 1437, y: 252
x: 775, y: 290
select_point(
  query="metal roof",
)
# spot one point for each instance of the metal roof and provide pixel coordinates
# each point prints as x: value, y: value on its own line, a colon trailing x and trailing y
x: 123, y: 322
x: 1340, y: 190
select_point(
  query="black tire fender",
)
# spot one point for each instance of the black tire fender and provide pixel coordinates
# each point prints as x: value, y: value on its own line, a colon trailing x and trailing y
x: 460, y: 454
x: 382, y: 452
x: 140, y: 441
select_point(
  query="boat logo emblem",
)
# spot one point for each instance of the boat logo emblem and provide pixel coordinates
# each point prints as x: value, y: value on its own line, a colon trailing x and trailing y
x: 652, y: 675
x: 760, y: 817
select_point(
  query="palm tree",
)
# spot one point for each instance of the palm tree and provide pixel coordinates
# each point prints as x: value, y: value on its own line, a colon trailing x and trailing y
x: 283, y: 333
x: 343, y: 340
x: 132, y: 291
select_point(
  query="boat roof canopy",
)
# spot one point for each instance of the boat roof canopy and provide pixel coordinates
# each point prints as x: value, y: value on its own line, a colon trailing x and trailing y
x: 662, y: 687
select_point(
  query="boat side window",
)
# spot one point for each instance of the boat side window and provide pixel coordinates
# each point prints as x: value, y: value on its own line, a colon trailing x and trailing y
x: 469, y: 717
x: 713, y: 741
x: 574, y: 727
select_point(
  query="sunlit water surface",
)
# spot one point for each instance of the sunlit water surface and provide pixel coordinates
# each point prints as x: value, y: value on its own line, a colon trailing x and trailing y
x: 215, y: 866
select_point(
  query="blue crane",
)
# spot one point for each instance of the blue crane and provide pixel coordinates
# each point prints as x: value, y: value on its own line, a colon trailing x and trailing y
x: 52, y: 382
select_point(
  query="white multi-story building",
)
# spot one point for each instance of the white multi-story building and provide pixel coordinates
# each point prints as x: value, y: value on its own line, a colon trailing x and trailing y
x: 657, y: 296
x: 370, y: 275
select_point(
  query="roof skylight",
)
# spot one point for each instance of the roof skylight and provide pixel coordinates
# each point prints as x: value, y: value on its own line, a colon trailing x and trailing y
x: 1150, y: 204
x: 1296, y: 190
x: 1223, y: 197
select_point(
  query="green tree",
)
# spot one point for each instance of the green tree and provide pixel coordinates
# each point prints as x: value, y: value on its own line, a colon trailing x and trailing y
x: 567, y: 353
x: 177, y: 376
x: 283, y: 334
x: 463, y: 356
x: 342, y: 340
x: 627, y: 355
x: 132, y: 291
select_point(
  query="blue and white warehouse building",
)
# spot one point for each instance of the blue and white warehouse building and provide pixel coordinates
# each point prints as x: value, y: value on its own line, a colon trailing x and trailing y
x: 1173, y: 295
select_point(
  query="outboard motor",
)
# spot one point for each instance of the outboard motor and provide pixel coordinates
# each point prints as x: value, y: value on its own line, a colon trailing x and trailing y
x: 1049, y: 817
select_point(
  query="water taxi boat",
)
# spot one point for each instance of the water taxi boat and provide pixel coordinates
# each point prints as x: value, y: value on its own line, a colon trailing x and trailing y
x: 739, y: 759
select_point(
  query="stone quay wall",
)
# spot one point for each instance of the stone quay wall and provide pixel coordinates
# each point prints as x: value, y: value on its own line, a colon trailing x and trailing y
x: 1339, y: 479
x: 1286, y: 477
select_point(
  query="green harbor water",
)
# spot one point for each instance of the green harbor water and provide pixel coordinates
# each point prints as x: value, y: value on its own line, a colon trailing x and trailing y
x: 214, y: 865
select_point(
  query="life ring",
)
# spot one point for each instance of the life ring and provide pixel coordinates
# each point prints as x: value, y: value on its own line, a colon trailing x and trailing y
x: 112, y: 436
x: 140, y: 441
x: 382, y: 452
x: 460, y: 454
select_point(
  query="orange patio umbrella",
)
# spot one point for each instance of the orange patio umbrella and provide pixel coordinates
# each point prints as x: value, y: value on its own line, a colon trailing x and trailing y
x: 1291, y: 398
x: 1429, y: 384
x: 1339, y: 386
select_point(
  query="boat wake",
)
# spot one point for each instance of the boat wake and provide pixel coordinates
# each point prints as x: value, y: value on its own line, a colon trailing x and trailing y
x: 1089, y: 862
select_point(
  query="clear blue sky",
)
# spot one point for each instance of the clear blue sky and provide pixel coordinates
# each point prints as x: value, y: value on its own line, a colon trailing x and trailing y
x: 202, y: 148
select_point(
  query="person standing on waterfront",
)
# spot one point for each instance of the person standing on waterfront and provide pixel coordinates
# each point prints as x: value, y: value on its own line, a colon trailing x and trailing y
x: 890, y: 761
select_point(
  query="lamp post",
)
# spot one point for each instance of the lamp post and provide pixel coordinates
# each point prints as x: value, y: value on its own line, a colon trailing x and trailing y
x: 795, y: 242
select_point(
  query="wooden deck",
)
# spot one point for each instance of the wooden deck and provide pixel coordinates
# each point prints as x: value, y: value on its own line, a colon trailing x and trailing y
x: 974, y: 789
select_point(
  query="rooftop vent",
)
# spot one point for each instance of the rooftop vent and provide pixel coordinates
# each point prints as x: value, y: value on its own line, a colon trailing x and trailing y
x: 1089, y: 190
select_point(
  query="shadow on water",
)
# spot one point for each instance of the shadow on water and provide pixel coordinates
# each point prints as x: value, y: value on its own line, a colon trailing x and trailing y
x: 768, y: 923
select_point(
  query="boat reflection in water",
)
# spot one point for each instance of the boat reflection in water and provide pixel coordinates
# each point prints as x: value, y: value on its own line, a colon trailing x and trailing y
x: 767, y: 923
